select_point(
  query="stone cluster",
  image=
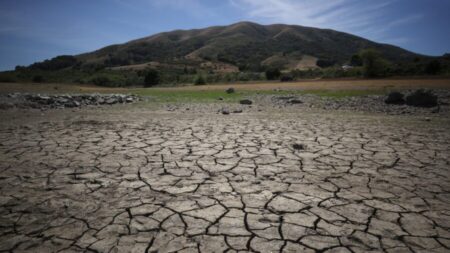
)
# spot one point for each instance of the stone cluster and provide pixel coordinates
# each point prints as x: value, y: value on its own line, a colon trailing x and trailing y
x: 396, y: 103
x: 66, y: 101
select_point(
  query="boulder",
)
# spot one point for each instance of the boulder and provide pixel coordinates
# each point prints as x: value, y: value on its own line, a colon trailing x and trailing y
x: 298, y: 146
x: 422, y: 98
x: 230, y: 90
x: 395, y: 98
x: 295, y: 101
x: 245, y: 102
x: 225, y: 111
x: 111, y: 101
x: 72, y: 104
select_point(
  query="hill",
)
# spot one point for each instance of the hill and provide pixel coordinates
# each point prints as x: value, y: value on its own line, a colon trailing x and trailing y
x: 239, y: 52
x: 244, y: 45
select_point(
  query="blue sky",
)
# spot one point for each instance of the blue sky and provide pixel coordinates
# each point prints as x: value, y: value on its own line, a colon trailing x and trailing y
x: 33, y: 30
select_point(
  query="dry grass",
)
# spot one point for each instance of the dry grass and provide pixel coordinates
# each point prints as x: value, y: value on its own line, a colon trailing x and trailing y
x: 313, y: 86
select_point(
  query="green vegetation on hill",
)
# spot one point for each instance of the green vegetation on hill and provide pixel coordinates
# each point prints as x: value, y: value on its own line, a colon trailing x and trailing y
x: 240, y: 52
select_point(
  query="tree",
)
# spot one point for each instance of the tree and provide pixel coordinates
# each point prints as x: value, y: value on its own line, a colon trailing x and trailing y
x: 151, y: 78
x: 356, y: 60
x: 273, y: 74
x: 57, y: 63
x: 433, y: 67
x: 373, y: 64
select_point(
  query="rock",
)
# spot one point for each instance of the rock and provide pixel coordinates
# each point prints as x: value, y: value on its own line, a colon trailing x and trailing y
x: 395, y: 98
x: 67, y: 101
x: 230, y: 91
x: 225, y: 111
x: 43, y: 97
x: 72, y: 104
x: 298, y: 146
x: 285, y: 97
x: 62, y: 100
x: 245, y: 102
x: 295, y: 101
x: 4, y: 106
x: 111, y: 101
x: 436, y: 110
x: 422, y: 98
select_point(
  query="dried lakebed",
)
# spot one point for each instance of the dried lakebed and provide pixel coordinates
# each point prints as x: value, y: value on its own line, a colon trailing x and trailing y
x: 189, y: 182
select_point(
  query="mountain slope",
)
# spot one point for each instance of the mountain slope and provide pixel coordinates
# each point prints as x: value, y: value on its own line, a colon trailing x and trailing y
x: 245, y: 45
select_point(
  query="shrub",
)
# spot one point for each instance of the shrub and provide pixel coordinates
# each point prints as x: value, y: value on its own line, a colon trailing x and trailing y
x: 433, y: 67
x: 6, y: 78
x: 422, y: 98
x: 102, y: 81
x: 323, y: 63
x: 199, y: 80
x: 151, y: 78
x: 395, y: 98
x: 38, y: 79
x: 273, y: 74
x: 356, y: 60
x: 286, y: 78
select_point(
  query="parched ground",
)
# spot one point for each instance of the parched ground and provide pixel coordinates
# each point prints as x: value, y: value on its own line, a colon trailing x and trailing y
x: 123, y: 179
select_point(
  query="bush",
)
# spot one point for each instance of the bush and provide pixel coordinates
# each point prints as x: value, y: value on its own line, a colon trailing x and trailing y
x: 356, y: 60
x: 395, y: 98
x: 151, y: 78
x: 286, y: 78
x: 6, y: 78
x: 422, y: 98
x: 306, y: 74
x: 433, y: 67
x: 199, y: 80
x: 38, y: 79
x: 323, y: 63
x: 102, y: 81
x: 273, y: 74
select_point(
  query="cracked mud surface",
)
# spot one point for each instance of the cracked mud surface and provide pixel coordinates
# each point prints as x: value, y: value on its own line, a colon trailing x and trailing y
x: 208, y: 183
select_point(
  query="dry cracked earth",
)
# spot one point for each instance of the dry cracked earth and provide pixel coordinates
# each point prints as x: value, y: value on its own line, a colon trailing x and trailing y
x: 186, y: 182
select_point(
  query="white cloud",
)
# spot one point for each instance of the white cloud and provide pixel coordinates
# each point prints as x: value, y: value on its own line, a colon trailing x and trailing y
x: 362, y: 17
x: 194, y: 8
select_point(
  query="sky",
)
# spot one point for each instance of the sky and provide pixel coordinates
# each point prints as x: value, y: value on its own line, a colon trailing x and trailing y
x: 34, y: 30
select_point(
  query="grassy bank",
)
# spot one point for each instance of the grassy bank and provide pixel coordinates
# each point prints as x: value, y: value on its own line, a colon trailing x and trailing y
x: 205, y: 93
